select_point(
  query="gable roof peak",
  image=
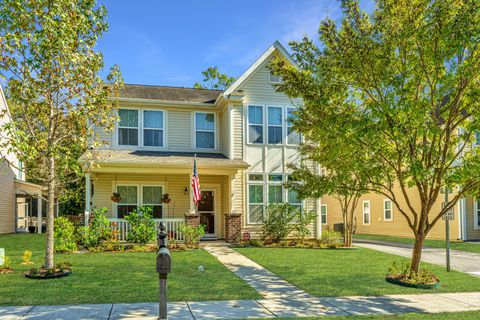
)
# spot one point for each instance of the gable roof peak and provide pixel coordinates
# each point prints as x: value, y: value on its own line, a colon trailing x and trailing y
x: 275, y: 46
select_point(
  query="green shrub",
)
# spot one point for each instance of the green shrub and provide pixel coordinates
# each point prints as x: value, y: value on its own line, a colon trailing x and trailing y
x: 26, y: 257
x: 64, y: 233
x: 331, y: 239
x: 276, y: 225
x: 7, y: 263
x: 142, y: 226
x: 302, y: 223
x: 192, y: 235
x: 401, y: 271
x: 98, y: 231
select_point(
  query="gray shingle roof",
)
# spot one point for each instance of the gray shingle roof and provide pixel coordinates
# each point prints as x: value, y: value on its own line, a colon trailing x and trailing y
x: 160, y: 158
x: 169, y: 93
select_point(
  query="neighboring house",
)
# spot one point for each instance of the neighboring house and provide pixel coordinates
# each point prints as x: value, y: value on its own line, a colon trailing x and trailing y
x: 20, y: 201
x: 241, y: 138
x: 375, y: 214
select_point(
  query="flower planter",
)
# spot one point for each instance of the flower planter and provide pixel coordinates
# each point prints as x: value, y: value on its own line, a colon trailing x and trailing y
x: 399, y: 282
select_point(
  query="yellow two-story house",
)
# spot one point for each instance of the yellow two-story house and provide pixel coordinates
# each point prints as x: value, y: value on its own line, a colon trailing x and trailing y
x: 241, y: 138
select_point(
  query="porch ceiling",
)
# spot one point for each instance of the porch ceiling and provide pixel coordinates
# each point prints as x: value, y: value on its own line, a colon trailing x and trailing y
x: 180, y: 161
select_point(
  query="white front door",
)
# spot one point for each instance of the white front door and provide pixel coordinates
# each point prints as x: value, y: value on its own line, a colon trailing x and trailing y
x: 206, y: 209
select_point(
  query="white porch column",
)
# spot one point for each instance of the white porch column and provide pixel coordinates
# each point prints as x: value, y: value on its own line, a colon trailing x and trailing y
x: 318, y: 220
x: 88, y: 194
x: 231, y: 192
x: 39, y: 213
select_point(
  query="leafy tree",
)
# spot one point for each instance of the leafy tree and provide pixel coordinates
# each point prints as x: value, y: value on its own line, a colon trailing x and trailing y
x: 214, y: 79
x: 406, y: 83
x: 47, y: 55
x: 343, y: 175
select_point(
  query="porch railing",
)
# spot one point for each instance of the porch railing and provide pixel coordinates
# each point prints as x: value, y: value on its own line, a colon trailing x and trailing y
x: 172, y: 227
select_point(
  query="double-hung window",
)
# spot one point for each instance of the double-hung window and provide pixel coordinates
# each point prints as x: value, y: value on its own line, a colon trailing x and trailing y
x: 152, y: 196
x: 366, y: 212
x: 292, y: 195
x: 323, y: 213
x: 387, y: 210
x: 293, y: 137
x: 153, y: 131
x: 255, y: 124
x: 275, y: 188
x: 128, y: 201
x: 256, y: 199
x: 204, y: 130
x: 128, y: 127
x: 275, y: 128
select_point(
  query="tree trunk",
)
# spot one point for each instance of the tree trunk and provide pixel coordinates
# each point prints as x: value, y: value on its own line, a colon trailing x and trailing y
x: 50, y: 213
x: 417, y: 253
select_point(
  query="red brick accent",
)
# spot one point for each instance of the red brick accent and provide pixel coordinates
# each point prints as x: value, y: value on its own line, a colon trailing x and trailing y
x: 233, y: 227
x: 192, y: 219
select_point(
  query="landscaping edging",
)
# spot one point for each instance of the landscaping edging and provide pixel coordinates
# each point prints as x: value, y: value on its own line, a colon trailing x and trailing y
x: 50, y: 276
x: 412, y: 285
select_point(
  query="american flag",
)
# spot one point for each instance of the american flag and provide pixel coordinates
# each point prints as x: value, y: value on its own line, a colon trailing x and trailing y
x: 195, y: 183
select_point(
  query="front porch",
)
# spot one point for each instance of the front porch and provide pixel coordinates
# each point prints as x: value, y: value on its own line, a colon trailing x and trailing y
x: 166, y: 186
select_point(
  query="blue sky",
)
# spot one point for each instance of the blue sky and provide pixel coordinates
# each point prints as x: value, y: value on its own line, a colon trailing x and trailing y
x: 171, y: 42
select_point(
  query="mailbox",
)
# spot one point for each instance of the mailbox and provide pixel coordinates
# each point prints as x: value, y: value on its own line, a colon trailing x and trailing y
x: 164, y: 261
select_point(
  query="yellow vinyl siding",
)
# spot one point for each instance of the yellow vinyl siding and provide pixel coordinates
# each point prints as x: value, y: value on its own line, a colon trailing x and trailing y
x: 179, y: 130
x: 472, y: 233
x: 224, y: 132
x: 398, y: 226
x: 7, y: 198
x: 238, y: 138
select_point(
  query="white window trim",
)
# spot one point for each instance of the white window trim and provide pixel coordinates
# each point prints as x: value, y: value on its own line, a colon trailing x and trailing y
x: 476, y: 208
x: 281, y: 125
x: 255, y: 124
x: 140, y: 129
x: 258, y: 183
x: 118, y: 127
x: 287, y: 126
x: 163, y: 127
x: 324, y: 205
x: 369, y: 213
x: 127, y: 204
x: 202, y: 130
x: 384, y: 210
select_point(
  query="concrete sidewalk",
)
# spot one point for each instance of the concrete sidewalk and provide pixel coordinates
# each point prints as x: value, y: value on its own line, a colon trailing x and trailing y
x: 248, y: 309
x: 468, y: 262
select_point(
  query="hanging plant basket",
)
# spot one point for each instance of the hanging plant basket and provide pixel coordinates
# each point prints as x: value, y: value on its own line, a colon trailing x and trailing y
x: 116, y: 197
x: 166, y: 198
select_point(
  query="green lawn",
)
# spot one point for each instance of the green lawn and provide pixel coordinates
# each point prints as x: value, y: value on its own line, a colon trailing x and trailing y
x: 347, y: 272
x: 456, y: 245
x: 116, y: 277
x: 469, y: 315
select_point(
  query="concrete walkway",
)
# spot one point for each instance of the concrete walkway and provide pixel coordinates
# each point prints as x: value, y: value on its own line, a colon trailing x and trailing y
x: 468, y: 262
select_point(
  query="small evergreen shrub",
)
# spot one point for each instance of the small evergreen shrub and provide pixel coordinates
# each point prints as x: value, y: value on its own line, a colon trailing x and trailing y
x: 98, y: 232
x: 142, y: 226
x: 192, y: 235
x: 64, y: 233
x: 276, y: 225
x: 331, y: 239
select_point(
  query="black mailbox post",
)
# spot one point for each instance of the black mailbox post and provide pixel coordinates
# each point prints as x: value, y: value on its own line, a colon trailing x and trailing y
x: 164, y: 267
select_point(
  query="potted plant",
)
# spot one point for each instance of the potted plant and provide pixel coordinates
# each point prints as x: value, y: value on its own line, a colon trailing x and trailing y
x: 116, y: 197
x: 166, y: 198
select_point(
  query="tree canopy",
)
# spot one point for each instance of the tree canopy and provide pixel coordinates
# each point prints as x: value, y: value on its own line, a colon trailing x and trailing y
x: 52, y: 69
x: 404, y: 83
x: 214, y: 79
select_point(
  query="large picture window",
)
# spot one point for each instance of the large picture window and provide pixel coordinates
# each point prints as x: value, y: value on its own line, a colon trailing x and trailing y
x: 128, y: 202
x: 153, y: 128
x: 255, y: 124
x: 275, y: 129
x: 152, y: 196
x: 204, y: 130
x: 128, y: 127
